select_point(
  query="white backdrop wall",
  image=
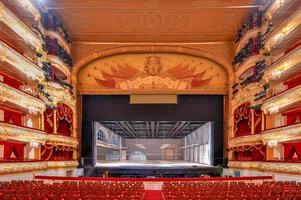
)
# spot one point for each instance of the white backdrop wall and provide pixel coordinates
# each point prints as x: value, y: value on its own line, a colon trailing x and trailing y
x: 198, y: 145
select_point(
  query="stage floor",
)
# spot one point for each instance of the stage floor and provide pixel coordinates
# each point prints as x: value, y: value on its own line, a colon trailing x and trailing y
x: 153, y: 164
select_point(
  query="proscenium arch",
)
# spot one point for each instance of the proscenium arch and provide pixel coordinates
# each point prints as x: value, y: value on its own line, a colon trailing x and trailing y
x: 154, y: 49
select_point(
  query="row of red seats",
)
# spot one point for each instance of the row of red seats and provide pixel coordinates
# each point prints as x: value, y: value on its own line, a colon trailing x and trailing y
x: 230, y: 190
x: 70, y: 190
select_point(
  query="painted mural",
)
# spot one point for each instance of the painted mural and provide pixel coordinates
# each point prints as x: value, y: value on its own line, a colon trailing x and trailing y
x: 143, y: 73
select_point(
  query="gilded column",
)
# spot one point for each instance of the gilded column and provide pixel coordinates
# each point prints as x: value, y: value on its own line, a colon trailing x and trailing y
x: 55, y: 122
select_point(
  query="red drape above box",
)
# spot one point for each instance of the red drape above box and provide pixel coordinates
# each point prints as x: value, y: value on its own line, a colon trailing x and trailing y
x: 13, y: 147
x: 292, y: 151
x: 242, y: 120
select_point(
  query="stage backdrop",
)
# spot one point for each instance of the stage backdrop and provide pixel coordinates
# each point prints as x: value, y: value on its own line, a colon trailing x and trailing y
x: 159, y: 72
x: 117, y: 108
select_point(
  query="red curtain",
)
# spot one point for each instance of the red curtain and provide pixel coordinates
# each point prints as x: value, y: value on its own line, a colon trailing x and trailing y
x: 290, y: 149
x: 12, y: 117
x: 293, y: 116
x: 50, y: 152
x: 48, y: 121
x: 293, y: 82
x: 242, y: 120
x: 11, y: 81
x: 13, y: 147
x: 64, y: 119
x: 250, y: 153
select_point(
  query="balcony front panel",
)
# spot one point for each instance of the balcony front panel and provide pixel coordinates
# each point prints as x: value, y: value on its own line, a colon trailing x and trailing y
x: 57, y: 62
x: 60, y: 39
x: 244, y: 40
x: 21, y: 99
x: 17, y: 26
x: 61, y: 140
x: 284, y: 66
x: 280, y: 167
x: 281, y: 101
x: 19, y: 62
x: 284, y: 32
x: 19, y: 133
x: 280, y: 134
x: 18, y: 167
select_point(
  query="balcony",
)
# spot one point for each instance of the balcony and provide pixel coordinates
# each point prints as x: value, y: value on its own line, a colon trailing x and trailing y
x: 278, y: 134
x: 20, y: 133
x: 21, y: 99
x: 62, y: 42
x: 61, y: 140
x: 244, y: 40
x: 247, y: 63
x: 60, y: 94
x: 282, y: 101
x: 280, y: 167
x: 20, y: 64
x: 58, y: 63
x: 12, y: 26
x: 284, y: 66
x: 17, y: 167
x: 286, y: 34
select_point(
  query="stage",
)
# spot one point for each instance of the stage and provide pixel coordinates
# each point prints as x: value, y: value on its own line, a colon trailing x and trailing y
x: 152, y: 168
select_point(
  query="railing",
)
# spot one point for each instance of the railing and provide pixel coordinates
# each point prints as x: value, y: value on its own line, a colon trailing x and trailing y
x: 277, y: 134
x: 21, y: 98
x: 282, y: 100
x: 10, y: 20
x: 62, y: 140
x: 17, y: 167
x: 27, y: 67
x: 281, y: 167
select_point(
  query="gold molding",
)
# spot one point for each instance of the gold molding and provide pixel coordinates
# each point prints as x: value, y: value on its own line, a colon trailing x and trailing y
x: 281, y: 134
x: 17, y: 167
x: 18, y: 61
x: 282, y: 100
x: 280, y: 167
x: 8, y: 18
x: 61, y: 140
x: 19, y: 98
x: 59, y: 64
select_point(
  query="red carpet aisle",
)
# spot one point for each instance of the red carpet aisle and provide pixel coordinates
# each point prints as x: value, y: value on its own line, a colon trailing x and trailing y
x: 153, y: 195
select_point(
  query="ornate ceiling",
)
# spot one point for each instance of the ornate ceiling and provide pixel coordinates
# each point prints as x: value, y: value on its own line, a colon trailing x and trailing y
x: 152, y: 20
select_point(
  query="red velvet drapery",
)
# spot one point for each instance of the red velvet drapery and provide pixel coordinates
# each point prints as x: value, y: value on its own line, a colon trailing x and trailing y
x: 293, y: 116
x: 292, y: 151
x: 64, y: 119
x: 293, y: 82
x: 242, y: 120
x: 50, y: 152
x: 12, y: 117
x: 250, y: 153
x: 9, y: 80
x: 13, y: 147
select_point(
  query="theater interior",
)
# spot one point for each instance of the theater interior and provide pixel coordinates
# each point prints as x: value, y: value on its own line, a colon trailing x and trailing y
x: 154, y: 99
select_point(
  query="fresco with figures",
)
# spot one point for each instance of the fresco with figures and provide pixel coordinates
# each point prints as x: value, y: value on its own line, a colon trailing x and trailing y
x: 147, y: 73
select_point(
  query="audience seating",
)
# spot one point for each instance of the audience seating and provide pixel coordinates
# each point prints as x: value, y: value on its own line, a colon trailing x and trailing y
x: 70, y: 190
x: 230, y: 190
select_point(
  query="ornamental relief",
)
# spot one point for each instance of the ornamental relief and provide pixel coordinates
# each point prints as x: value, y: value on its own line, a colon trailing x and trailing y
x: 169, y: 73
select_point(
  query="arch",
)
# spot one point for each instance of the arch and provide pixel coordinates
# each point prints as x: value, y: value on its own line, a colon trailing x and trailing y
x: 154, y: 49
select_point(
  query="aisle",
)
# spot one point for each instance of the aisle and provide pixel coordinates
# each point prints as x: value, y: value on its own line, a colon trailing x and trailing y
x: 153, y: 195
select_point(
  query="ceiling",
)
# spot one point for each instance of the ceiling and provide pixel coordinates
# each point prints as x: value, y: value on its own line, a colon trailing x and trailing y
x: 152, y: 129
x: 152, y: 20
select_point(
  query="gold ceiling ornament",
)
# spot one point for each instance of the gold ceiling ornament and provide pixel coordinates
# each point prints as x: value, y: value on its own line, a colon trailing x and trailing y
x: 280, y: 34
x: 283, y: 65
x: 19, y: 98
x: 279, y: 101
x: 281, y: 167
x: 17, y: 167
x: 22, y: 64
x: 61, y: 140
x: 23, y: 134
x: 8, y: 18
x: 282, y: 134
